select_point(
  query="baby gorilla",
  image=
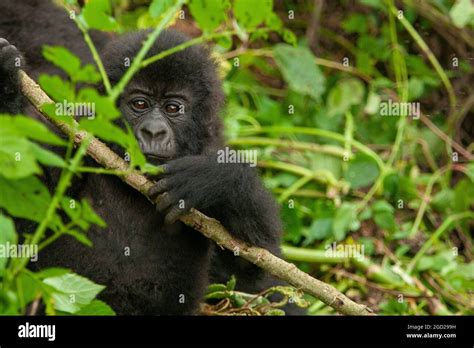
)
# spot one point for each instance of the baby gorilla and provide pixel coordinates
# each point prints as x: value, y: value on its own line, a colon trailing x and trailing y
x: 149, y: 261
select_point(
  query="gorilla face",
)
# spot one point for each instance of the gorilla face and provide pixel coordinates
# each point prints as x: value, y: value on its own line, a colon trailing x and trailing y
x: 155, y: 117
x: 171, y: 104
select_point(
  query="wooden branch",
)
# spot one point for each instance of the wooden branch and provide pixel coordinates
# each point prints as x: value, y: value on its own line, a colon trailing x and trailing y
x: 209, y: 227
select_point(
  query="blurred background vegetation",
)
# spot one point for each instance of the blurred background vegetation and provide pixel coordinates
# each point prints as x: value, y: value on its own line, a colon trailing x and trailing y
x: 308, y: 96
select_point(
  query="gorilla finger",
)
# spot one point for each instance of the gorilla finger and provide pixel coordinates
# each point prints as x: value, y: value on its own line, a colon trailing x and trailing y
x: 158, y: 188
x: 3, y: 42
x: 163, y: 202
x: 173, y: 215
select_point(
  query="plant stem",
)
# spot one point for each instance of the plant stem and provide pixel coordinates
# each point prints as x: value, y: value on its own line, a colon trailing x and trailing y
x: 435, y: 236
x: 137, y: 61
x: 321, y: 133
x: 296, y: 145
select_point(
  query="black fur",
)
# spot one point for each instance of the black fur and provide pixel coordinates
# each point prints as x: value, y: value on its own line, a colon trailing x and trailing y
x: 169, y: 262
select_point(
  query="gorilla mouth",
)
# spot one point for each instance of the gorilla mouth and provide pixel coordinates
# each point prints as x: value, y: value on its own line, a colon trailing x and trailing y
x: 156, y: 158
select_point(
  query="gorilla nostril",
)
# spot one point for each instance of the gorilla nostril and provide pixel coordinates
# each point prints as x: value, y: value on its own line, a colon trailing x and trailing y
x: 153, y: 132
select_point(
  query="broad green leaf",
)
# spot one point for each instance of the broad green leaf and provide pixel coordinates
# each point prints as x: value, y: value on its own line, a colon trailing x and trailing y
x: 62, y: 58
x: 355, y: 23
x: 299, y: 69
x: 209, y: 14
x: 26, y: 198
x: 319, y: 229
x: 384, y: 215
x: 28, y: 127
x: 71, y: 64
x: 362, y: 171
x: 58, y: 89
x: 345, y: 94
x: 16, y: 158
x: 344, y: 220
x: 96, y: 14
x: 74, y: 292
x: 7, y: 236
x: 104, y: 129
x: 292, y: 224
x: 273, y: 21
x: 47, y: 157
x: 250, y: 13
x: 27, y: 288
x: 159, y: 7
x: 96, y: 308
x: 103, y: 106
x: 393, y: 307
x: 52, y: 272
x: 462, y: 13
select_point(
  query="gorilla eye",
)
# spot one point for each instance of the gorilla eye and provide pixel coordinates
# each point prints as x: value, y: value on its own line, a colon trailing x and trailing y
x: 172, y: 108
x: 140, y: 104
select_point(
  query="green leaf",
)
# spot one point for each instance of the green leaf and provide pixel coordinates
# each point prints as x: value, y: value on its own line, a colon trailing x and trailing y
x: 299, y: 69
x: 27, y: 288
x: 52, y: 272
x: 216, y: 288
x: 362, y: 171
x: 159, y: 7
x: 275, y: 312
x: 74, y: 292
x: 47, y: 157
x: 231, y: 283
x: 209, y: 14
x: 355, y: 23
x: 319, y: 229
x: 90, y: 215
x: 344, y: 220
x: 16, y: 158
x: 470, y: 171
x: 80, y: 237
x: 30, y: 192
x: 103, y: 105
x: 58, y: 89
x: 96, y: 307
x: 384, y: 215
x: 105, y: 130
x: 250, y: 13
x: 28, y: 127
x: 96, y: 14
x: 7, y: 236
x: 62, y: 58
x: 71, y: 64
x: 346, y: 93
x: 462, y: 13
x: 393, y: 307
x: 292, y: 224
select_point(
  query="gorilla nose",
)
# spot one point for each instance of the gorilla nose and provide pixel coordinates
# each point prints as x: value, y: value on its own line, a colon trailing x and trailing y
x: 153, y: 131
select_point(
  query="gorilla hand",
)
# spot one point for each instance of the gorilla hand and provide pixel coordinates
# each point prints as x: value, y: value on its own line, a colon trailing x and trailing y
x: 192, y: 182
x: 10, y: 62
